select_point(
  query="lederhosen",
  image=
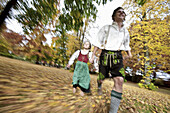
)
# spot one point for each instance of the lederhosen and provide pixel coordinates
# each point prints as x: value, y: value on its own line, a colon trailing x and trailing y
x: 111, y: 62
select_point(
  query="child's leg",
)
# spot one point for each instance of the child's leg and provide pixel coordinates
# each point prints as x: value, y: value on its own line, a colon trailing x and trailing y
x: 83, y: 90
x: 81, y: 93
x: 74, y: 88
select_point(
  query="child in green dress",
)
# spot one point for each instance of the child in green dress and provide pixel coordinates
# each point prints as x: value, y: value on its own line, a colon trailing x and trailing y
x: 81, y: 77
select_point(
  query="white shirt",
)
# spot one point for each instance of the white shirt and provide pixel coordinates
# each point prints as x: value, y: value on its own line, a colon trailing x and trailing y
x: 116, y: 40
x: 76, y: 54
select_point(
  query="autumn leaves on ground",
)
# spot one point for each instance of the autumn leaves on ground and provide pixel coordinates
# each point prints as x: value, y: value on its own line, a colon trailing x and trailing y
x: 31, y: 88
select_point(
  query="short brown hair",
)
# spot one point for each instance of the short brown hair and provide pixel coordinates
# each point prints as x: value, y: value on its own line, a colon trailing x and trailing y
x: 114, y: 12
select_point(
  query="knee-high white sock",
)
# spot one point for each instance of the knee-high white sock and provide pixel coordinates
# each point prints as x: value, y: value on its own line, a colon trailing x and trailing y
x: 115, y: 101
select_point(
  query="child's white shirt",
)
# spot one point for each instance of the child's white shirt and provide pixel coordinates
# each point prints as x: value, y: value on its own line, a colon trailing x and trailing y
x: 76, y: 54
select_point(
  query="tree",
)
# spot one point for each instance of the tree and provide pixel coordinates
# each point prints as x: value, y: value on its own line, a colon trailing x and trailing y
x: 73, y: 44
x: 148, y: 9
x: 148, y: 32
x: 4, y: 45
x: 38, y: 19
x: 77, y: 14
x: 15, y: 43
x: 75, y: 17
x: 37, y: 50
x: 5, y: 12
x: 44, y: 14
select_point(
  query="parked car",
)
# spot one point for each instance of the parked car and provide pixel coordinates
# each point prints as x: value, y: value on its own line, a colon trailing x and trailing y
x: 139, y: 73
x: 161, y: 75
x: 128, y: 71
x: 161, y: 78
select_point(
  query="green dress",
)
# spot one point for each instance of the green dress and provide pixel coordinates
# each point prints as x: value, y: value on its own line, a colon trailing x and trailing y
x: 81, y: 75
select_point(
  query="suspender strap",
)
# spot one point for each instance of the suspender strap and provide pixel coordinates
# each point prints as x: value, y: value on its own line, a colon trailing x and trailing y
x: 107, y: 35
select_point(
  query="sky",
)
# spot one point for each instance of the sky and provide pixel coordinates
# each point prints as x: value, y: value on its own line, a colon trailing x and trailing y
x: 103, y: 18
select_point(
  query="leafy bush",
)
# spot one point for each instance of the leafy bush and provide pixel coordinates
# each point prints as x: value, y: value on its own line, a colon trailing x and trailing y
x: 150, y: 86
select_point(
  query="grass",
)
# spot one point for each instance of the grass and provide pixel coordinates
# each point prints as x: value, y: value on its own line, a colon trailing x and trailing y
x: 31, y: 88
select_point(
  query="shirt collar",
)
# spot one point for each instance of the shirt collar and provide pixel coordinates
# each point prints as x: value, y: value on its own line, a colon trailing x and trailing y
x: 116, y: 25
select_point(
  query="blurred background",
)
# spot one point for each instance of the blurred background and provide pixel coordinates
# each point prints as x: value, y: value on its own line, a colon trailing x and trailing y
x: 37, y: 38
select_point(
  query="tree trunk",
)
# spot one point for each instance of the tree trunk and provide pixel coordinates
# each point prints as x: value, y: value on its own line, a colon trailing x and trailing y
x: 6, y: 11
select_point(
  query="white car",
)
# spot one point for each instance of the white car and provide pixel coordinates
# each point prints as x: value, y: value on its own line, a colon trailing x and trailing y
x: 128, y: 70
x: 162, y: 75
x: 139, y: 73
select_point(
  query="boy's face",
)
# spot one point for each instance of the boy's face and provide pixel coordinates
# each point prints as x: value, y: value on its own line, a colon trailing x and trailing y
x: 120, y: 15
x: 86, y: 45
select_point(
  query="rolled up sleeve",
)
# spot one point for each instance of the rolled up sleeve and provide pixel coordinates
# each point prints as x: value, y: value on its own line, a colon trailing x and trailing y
x: 98, y: 41
x: 73, y: 57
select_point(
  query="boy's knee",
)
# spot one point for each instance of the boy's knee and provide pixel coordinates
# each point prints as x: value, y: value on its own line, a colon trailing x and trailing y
x: 119, y: 80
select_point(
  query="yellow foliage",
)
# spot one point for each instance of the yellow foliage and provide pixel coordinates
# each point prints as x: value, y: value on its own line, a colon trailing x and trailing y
x: 93, y: 105
x: 153, y: 35
x: 73, y: 44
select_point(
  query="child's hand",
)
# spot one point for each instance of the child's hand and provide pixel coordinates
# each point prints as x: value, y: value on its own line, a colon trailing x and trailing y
x: 91, y: 60
x: 68, y: 66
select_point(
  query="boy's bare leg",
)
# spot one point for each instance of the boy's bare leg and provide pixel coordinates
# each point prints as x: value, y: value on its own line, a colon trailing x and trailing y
x: 99, y: 82
x: 116, y: 94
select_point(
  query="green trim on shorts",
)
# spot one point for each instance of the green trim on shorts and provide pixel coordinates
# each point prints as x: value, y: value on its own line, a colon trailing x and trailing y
x: 100, y: 76
x: 122, y: 71
x: 105, y: 60
x: 110, y: 52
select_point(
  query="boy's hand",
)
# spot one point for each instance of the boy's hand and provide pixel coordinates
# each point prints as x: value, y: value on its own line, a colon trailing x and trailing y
x: 127, y: 57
